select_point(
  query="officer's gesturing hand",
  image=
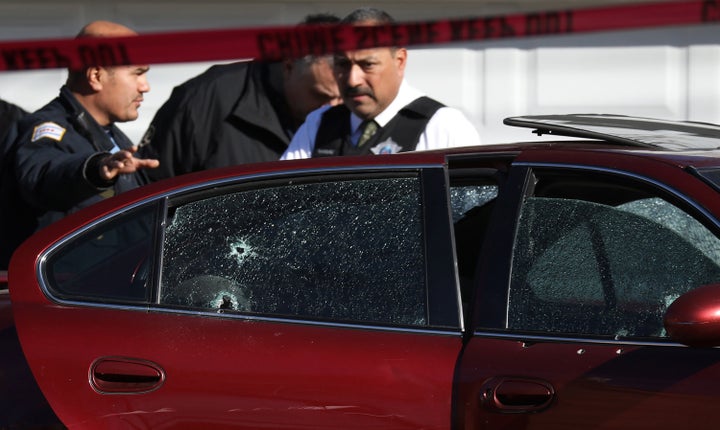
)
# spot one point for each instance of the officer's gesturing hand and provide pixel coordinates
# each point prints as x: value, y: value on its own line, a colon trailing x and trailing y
x: 123, y: 161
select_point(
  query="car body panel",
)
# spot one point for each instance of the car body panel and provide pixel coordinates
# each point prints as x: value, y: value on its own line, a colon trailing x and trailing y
x: 22, y: 404
x: 599, y: 386
x: 241, y: 374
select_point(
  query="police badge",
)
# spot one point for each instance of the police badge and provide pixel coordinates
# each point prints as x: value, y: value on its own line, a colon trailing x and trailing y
x: 387, y: 147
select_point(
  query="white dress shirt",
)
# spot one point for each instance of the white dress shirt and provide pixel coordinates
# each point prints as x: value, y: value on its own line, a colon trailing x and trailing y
x: 448, y: 127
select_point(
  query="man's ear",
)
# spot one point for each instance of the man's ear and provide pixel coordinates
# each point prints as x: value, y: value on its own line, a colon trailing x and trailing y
x: 94, y: 77
x: 401, y: 58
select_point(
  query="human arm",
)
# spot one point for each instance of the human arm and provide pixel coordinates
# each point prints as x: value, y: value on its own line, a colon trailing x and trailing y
x: 60, y: 174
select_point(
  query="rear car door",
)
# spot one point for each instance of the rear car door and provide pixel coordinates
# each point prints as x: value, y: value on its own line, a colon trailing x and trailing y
x: 321, y: 300
x: 568, y: 333
x: 22, y: 404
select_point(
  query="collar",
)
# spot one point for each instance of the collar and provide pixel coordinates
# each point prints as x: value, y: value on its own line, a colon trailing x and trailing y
x: 406, y: 94
x: 72, y: 105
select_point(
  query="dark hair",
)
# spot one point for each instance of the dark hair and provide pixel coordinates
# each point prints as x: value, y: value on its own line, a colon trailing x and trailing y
x: 317, y: 19
x: 320, y: 18
x: 368, y: 14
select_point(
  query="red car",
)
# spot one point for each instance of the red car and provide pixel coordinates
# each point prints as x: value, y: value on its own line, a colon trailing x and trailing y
x: 564, y: 284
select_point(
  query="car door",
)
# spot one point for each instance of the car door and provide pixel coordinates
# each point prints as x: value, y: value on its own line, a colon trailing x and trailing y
x: 569, y: 329
x: 320, y: 300
x: 22, y: 404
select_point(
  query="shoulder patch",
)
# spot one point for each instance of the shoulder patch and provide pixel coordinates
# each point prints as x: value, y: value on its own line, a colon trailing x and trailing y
x: 49, y: 130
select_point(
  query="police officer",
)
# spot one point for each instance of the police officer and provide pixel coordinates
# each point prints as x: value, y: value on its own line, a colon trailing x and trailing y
x: 382, y: 113
x: 69, y: 154
x: 238, y: 113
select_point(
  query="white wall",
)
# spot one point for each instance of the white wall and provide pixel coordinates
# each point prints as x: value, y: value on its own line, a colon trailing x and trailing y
x: 671, y: 73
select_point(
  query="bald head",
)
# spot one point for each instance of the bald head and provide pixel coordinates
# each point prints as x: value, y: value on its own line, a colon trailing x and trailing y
x: 113, y: 92
x: 96, y: 29
x: 105, y: 29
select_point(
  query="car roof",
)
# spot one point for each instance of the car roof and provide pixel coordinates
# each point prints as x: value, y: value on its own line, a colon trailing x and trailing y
x: 625, y: 130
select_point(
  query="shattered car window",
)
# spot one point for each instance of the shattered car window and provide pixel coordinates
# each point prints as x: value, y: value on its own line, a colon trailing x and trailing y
x: 588, y: 268
x: 662, y: 212
x: 341, y: 251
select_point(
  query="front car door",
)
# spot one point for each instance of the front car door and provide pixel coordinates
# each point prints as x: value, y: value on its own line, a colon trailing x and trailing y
x: 571, y: 297
x: 327, y: 300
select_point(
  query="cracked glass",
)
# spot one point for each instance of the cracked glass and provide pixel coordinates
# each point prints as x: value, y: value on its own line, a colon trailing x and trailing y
x: 339, y: 251
x: 590, y: 268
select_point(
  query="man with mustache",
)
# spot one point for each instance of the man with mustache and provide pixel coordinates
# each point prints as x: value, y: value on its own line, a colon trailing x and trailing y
x: 381, y: 113
x: 69, y: 154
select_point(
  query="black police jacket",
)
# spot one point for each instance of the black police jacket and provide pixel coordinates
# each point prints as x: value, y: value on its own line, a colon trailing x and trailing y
x: 51, y: 174
x: 230, y: 114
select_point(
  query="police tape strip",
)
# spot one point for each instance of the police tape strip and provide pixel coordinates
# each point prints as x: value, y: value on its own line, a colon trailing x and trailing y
x: 274, y: 43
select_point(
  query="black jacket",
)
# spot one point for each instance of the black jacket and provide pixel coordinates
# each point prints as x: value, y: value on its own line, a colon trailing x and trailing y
x: 46, y: 178
x: 9, y: 116
x: 230, y: 114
